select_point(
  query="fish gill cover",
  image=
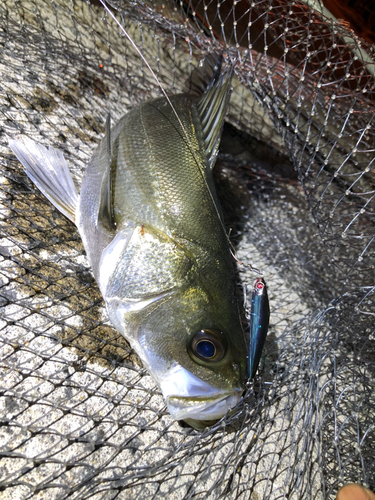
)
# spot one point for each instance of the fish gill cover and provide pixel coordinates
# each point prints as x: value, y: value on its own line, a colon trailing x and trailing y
x: 80, y: 416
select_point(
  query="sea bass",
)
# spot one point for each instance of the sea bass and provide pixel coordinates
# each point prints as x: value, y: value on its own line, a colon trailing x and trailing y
x: 151, y: 225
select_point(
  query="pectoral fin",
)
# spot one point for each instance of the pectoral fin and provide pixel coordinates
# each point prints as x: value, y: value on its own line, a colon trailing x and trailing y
x: 106, y: 210
x: 48, y: 170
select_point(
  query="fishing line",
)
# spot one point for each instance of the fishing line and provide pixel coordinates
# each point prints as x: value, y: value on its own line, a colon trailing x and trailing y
x: 171, y: 105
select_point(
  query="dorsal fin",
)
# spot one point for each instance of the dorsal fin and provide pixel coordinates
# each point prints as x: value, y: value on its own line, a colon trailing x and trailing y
x: 212, y: 84
x: 204, y: 76
x: 106, y: 210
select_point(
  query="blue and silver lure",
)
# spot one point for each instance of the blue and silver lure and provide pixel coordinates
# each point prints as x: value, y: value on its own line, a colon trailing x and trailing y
x: 259, y: 320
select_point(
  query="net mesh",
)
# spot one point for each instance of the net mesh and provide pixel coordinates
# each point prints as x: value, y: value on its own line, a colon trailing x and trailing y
x: 80, y: 417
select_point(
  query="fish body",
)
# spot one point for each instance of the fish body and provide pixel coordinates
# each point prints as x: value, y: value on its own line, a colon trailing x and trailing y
x: 172, y: 275
x: 151, y: 224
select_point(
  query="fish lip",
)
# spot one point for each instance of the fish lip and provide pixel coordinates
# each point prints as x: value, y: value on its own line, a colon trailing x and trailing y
x: 213, y: 407
x: 190, y: 397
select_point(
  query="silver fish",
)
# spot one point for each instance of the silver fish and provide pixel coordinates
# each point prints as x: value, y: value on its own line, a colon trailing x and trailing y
x: 151, y: 224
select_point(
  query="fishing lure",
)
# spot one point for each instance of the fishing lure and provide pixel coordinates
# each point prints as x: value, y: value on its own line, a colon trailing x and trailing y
x: 259, y: 321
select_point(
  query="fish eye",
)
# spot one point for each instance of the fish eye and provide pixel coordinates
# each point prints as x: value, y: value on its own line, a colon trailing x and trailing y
x: 205, y: 349
x: 207, y: 345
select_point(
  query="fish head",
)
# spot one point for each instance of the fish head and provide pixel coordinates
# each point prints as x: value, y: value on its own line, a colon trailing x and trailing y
x: 196, y: 352
x: 181, y: 316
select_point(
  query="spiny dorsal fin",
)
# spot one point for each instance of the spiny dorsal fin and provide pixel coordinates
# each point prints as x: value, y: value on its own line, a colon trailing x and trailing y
x: 106, y: 210
x: 204, y: 76
x: 212, y: 84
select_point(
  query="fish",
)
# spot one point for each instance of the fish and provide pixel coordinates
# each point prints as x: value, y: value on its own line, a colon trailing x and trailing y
x: 152, y: 227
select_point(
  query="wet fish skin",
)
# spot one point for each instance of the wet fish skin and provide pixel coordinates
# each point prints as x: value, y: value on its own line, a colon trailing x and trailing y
x: 163, y: 262
x: 164, y: 200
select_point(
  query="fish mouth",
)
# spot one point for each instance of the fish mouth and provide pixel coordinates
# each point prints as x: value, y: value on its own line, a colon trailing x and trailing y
x: 189, y: 397
x: 203, y: 408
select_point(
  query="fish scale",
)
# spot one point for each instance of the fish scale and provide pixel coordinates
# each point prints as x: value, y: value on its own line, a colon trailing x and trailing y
x: 165, y: 176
